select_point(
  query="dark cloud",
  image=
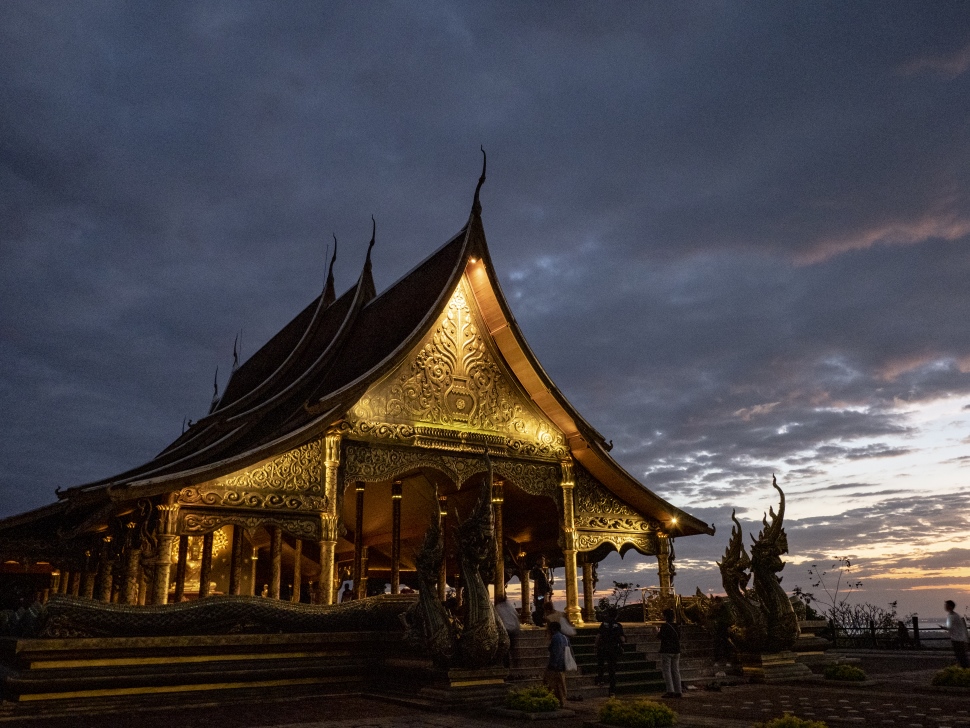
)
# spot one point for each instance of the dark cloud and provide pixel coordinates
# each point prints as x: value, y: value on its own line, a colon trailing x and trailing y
x: 735, y: 236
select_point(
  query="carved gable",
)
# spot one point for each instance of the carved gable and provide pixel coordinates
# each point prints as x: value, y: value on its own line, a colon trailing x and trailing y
x: 454, y: 392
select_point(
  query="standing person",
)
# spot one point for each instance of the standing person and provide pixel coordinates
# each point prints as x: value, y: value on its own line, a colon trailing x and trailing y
x: 669, y: 635
x: 555, y: 677
x: 543, y: 577
x: 347, y: 595
x: 510, y: 619
x: 958, y: 633
x: 609, y: 646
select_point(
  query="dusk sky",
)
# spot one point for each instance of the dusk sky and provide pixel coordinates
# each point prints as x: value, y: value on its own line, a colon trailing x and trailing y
x: 737, y: 236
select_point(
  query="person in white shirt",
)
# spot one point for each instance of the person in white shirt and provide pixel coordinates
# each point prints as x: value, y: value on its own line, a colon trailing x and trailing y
x: 958, y: 633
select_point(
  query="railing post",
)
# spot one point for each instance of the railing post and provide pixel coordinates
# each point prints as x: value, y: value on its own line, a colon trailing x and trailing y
x: 916, y: 632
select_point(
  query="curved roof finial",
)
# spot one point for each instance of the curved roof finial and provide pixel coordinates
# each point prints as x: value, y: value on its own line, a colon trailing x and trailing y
x: 373, y: 237
x: 477, y: 205
x: 329, y: 292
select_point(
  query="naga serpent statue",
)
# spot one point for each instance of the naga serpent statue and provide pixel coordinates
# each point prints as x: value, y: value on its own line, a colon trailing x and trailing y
x: 482, y: 640
x: 764, y: 619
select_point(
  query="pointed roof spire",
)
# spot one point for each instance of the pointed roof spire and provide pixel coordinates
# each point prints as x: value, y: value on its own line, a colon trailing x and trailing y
x: 235, y: 353
x: 329, y: 292
x: 477, y: 205
x: 215, y: 390
x: 367, y: 277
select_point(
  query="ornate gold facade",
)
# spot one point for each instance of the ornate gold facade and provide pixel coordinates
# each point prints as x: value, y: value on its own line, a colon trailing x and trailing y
x: 453, y: 392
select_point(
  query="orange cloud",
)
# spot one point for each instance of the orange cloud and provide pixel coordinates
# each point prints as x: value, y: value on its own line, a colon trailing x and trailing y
x: 946, y: 226
x: 950, y: 65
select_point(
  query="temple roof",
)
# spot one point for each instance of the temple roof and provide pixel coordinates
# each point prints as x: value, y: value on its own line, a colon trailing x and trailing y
x: 317, y: 366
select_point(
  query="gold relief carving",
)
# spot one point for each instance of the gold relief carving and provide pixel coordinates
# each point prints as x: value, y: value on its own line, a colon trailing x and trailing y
x: 645, y: 543
x: 533, y: 478
x: 597, y: 508
x: 296, y: 470
x: 195, y: 524
x: 328, y: 528
x: 248, y: 499
x: 451, y: 384
x: 167, y: 519
x: 372, y: 463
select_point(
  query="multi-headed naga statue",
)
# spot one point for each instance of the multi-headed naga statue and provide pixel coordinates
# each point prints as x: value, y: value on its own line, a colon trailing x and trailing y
x: 765, y: 620
x: 482, y: 640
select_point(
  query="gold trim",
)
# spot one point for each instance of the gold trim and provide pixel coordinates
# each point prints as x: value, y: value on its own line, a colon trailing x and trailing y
x: 106, y: 692
x: 172, y: 659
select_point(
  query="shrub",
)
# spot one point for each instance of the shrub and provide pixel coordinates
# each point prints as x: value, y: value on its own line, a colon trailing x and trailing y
x: 954, y: 676
x: 532, y: 700
x: 791, y: 721
x: 844, y: 673
x: 636, y: 714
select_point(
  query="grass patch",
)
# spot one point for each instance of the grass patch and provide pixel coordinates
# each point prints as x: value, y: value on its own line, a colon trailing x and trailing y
x: 636, y: 714
x: 532, y: 700
x: 791, y: 721
x: 844, y: 673
x: 953, y: 676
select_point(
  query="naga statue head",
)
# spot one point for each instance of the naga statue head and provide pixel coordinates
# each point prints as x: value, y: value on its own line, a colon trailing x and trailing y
x: 772, y: 542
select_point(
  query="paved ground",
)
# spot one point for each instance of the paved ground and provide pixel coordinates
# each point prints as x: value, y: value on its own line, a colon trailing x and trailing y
x: 895, y: 701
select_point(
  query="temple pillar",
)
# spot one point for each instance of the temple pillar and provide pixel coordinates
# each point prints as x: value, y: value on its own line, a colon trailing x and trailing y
x: 663, y: 564
x: 573, y: 612
x: 297, y: 566
x: 363, y: 572
x: 329, y: 519
x: 205, y: 568
x: 89, y: 579
x: 167, y: 523
x: 589, y: 590
x: 498, y: 498
x: 443, y: 573
x: 62, y: 581
x: 252, y: 574
x: 275, y: 561
x: 360, y: 588
x: 236, y: 561
x: 105, y: 568
x: 75, y: 586
x: 180, y: 569
x: 396, y: 537
x: 129, y: 593
x: 526, y: 596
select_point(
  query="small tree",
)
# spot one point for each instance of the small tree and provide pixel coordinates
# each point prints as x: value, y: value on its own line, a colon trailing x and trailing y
x: 833, y: 597
x: 619, y: 596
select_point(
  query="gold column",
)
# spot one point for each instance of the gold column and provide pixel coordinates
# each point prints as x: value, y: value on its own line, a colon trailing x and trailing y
x: 132, y: 564
x: 359, y: 587
x: 90, y: 578
x: 297, y: 576
x: 328, y: 520
x: 526, y: 596
x: 62, y: 581
x: 663, y: 564
x: 443, y: 574
x: 363, y: 573
x: 589, y: 589
x: 275, y: 561
x: 235, y: 564
x: 573, y: 612
x: 205, y: 568
x: 396, y: 537
x: 498, y: 498
x: 181, y: 568
x: 104, y: 571
x: 167, y: 522
x: 75, y: 587
x: 252, y: 576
